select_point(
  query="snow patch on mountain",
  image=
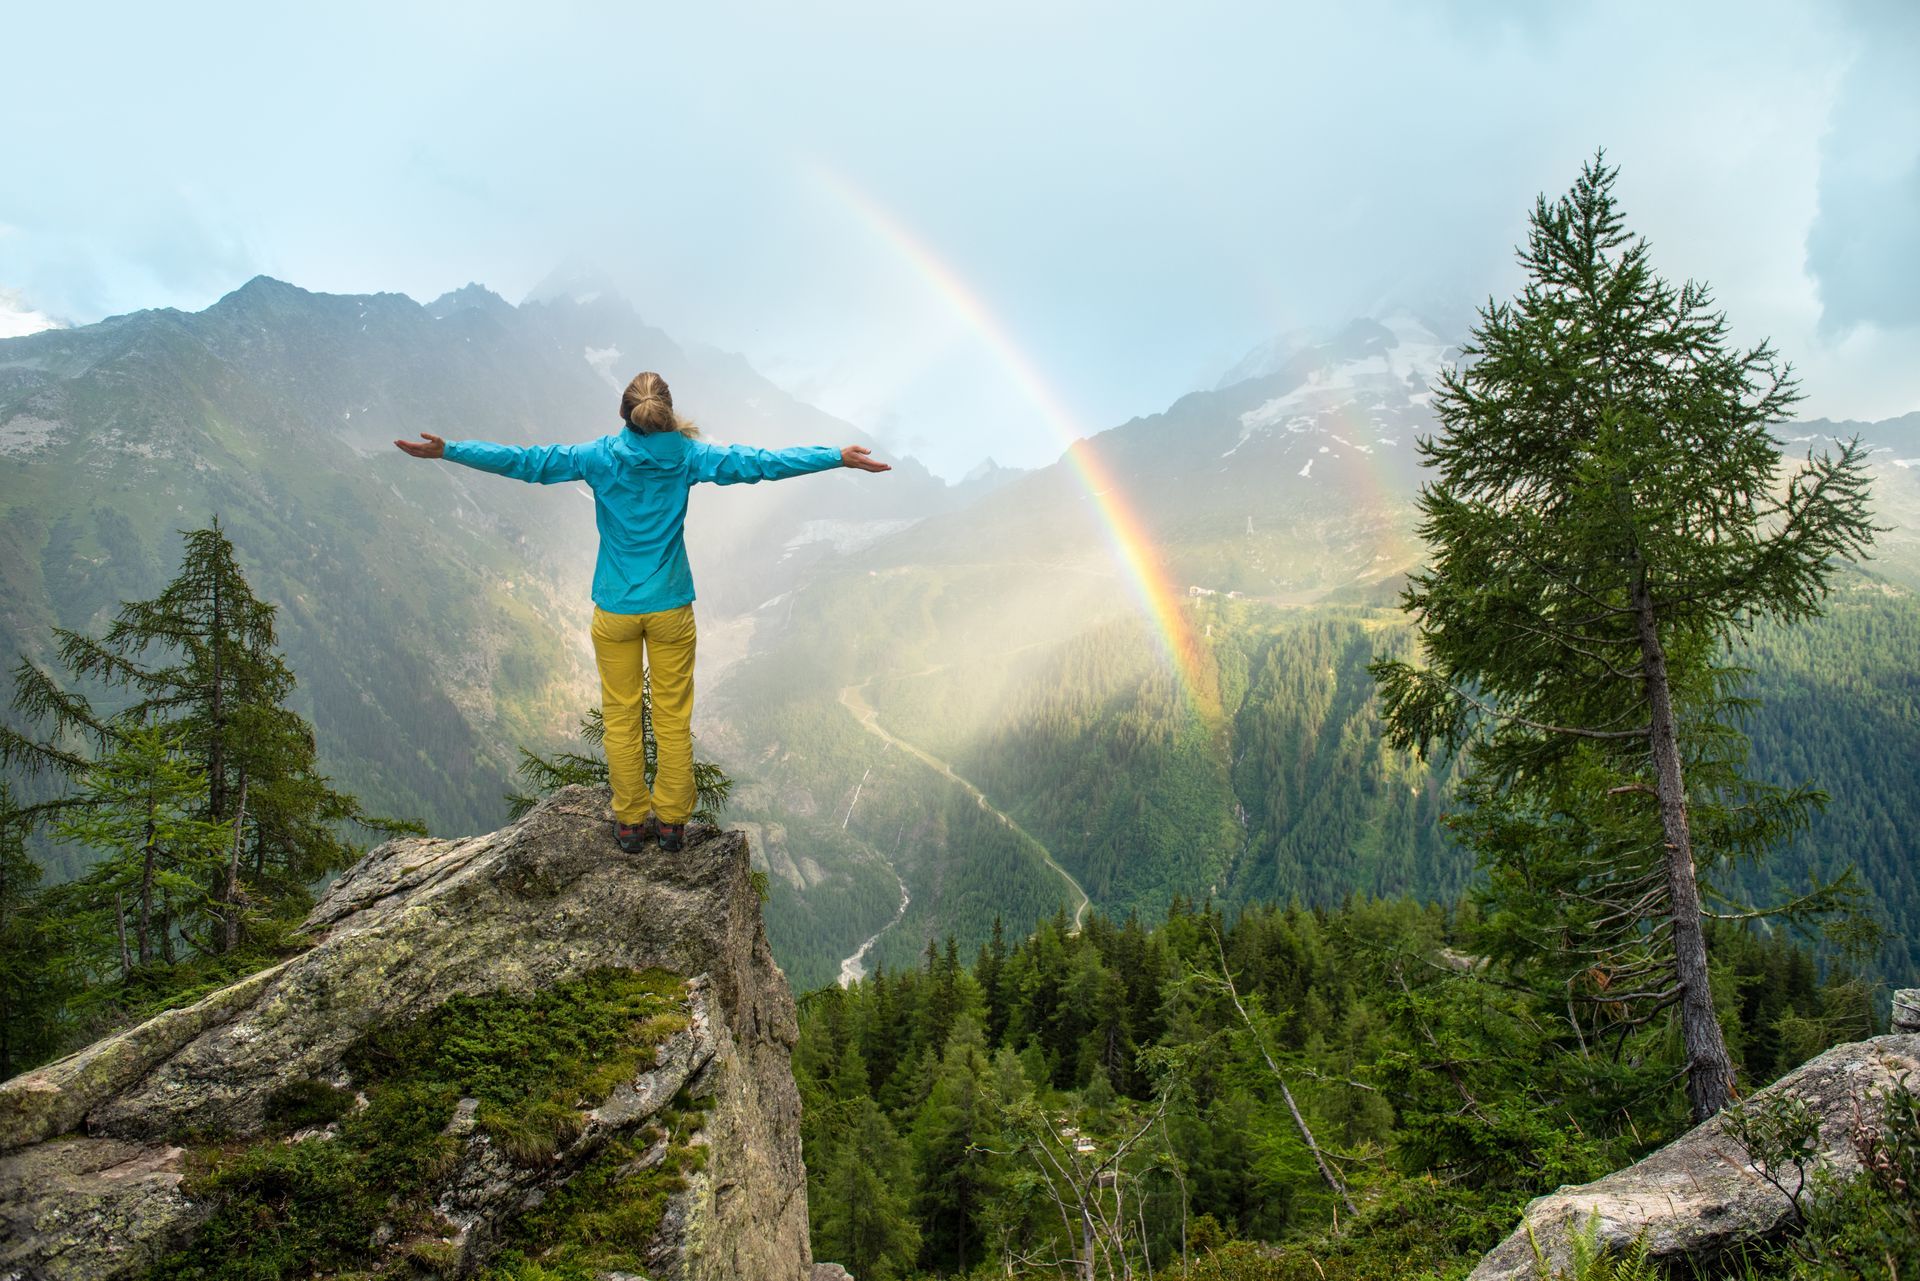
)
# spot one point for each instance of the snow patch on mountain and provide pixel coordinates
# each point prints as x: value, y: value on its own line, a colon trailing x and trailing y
x: 602, y: 358
x: 1366, y: 379
x: 1271, y: 357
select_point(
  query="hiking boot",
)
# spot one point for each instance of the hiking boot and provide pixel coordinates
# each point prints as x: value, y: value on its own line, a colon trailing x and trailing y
x: 672, y: 836
x: 633, y: 837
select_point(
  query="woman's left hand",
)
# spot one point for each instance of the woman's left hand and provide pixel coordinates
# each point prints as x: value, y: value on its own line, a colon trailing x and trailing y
x: 434, y: 448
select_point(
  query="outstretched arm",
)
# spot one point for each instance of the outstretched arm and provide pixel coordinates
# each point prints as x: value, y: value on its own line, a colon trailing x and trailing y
x: 745, y: 465
x: 537, y: 465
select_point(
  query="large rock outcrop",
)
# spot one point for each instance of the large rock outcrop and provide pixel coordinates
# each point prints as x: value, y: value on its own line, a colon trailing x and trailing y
x: 1700, y: 1195
x: 98, y: 1151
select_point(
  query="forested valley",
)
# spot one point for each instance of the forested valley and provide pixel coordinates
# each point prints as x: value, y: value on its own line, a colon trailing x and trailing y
x: 1286, y: 791
x: 1124, y: 1091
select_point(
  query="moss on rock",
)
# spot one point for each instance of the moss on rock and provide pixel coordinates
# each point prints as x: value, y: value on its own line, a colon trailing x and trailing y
x: 608, y: 1216
x: 533, y: 1061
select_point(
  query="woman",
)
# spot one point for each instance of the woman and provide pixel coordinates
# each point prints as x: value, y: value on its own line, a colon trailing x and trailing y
x: 642, y: 585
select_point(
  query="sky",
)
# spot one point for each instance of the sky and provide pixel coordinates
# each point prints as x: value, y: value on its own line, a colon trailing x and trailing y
x: 961, y: 225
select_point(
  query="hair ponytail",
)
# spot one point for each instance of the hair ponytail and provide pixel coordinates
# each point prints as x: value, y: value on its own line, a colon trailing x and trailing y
x: 647, y: 406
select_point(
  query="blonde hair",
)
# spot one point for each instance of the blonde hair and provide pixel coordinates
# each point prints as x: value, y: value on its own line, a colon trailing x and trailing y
x: 647, y: 406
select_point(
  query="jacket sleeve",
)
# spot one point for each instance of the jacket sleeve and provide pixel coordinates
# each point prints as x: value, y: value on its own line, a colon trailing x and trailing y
x: 744, y: 465
x: 535, y: 464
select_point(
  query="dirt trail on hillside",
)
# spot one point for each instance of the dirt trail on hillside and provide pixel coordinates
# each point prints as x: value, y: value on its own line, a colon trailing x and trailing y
x: 855, y: 701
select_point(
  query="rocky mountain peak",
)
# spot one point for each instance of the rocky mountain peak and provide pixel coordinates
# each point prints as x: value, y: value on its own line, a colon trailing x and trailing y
x: 471, y: 296
x: 581, y: 283
x: 263, y: 291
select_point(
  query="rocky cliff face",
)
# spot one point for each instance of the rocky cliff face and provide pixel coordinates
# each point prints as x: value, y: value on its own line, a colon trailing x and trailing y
x: 496, y: 1049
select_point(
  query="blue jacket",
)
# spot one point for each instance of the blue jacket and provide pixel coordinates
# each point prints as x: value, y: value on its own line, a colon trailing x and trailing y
x: 640, y: 485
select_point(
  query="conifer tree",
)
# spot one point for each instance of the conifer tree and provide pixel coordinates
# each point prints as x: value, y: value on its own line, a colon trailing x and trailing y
x: 988, y: 966
x: 954, y: 1135
x: 1608, y: 513
x: 139, y: 811
x: 545, y: 774
x: 31, y: 978
x: 215, y: 643
x: 202, y: 665
x: 859, y: 1202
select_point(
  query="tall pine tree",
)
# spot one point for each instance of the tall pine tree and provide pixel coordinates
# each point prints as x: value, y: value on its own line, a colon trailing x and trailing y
x: 200, y: 662
x: 1608, y: 513
x: 859, y: 1201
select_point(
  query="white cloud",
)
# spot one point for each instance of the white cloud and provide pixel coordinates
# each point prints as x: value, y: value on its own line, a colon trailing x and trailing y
x: 17, y: 319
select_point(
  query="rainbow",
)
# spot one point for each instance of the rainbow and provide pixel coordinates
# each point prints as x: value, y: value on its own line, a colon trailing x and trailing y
x: 1159, y: 596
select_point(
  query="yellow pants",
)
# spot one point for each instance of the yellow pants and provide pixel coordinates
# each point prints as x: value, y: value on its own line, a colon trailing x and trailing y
x: 658, y: 647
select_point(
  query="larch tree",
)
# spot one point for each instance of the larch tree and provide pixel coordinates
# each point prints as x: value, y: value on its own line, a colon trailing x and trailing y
x: 203, y: 658
x: 1609, y: 512
x: 200, y: 661
x: 861, y: 1195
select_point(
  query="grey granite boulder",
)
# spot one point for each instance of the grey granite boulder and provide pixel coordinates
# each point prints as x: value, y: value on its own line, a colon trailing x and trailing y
x: 91, y: 1182
x: 1700, y: 1195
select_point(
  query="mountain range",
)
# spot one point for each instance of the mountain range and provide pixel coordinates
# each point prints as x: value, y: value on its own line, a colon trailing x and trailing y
x: 941, y: 703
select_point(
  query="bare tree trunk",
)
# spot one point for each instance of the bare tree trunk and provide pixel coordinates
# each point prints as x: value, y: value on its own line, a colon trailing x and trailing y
x: 216, y: 744
x: 1710, y: 1075
x: 148, y: 853
x: 1327, y: 1174
x: 120, y: 933
x: 233, y: 869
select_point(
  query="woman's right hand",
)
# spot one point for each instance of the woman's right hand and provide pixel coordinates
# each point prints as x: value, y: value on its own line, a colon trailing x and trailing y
x: 434, y: 447
x: 862, y: 457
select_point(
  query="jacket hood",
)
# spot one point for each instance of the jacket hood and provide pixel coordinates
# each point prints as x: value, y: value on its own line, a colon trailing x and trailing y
x: 653, y: 449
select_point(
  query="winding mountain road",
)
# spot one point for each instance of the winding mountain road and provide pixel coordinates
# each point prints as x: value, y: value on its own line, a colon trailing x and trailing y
x: 856, y: 702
